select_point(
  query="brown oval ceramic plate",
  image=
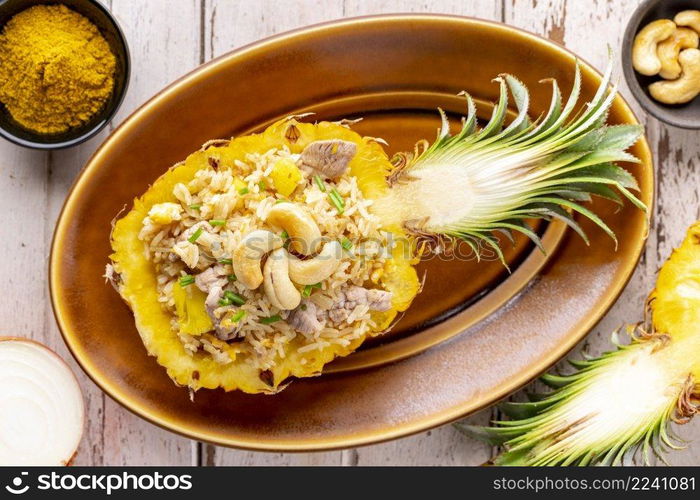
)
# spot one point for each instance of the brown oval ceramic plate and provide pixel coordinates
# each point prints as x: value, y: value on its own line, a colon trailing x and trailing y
x: 475, y: 334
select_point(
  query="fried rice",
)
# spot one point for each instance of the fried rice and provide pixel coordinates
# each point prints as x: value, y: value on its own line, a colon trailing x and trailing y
x: 220, y: 207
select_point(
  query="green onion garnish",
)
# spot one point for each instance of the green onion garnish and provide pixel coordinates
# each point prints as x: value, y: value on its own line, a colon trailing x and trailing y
x: 186, y: 280
x: 243, y: 191
x: 238, y: 316
x: 231, y: 277
x: 346, y: 243
x: 196, y: 206
x: 225, y: 261
x: 263, y: 185
x: 319, y: 182
x: 217, y: 222
x: 224, y: 302
x: 281, y: 200
x: 316, y: 285
x: 271, y: 319
x: 196, y: 235
x: 307, y: 291
x: 234, y: 298
x: 337, y: 201
x: 284, y: 235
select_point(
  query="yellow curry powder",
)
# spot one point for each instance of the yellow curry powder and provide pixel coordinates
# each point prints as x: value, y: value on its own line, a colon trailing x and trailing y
x: 56, y: 69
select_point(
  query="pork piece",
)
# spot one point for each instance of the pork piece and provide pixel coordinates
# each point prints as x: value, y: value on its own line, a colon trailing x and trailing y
x: 304, y: 318
x: 348, y: 300
x: 329, y: 158
x: 211, y: 304
x: 212, y: 276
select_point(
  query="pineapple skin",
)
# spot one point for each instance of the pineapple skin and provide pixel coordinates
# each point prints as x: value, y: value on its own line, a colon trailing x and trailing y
x: 137, y: 277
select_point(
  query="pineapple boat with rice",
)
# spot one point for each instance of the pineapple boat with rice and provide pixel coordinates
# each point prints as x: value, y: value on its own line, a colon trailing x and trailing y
x: 263, y: 258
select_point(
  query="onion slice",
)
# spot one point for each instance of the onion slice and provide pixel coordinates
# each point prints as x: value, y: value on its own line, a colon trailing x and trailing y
x: 42, y: 412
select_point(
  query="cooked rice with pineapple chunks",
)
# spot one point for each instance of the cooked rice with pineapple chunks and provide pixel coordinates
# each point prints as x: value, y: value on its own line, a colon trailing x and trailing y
x: 194, y: 245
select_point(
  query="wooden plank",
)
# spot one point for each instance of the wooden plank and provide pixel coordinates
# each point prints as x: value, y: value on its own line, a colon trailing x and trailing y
x: 228, y: 25
x: 164, y: 44
x: 676, y: 158
x: 678, y: 176
x: 444, y: 445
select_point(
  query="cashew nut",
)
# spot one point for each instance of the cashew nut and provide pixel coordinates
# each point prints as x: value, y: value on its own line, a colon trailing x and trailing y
x: 278, y: 287
x: 668, y: 50
x: 690, y: 18
x: 309, y: 272
x: 248, y: 254
x: 299, y: 225
x: 644, y: 58
x: 686, y: 87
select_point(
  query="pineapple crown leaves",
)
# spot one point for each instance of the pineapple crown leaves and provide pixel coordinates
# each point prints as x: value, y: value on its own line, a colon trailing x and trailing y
x: 552, y: 429
x: 543, y: 169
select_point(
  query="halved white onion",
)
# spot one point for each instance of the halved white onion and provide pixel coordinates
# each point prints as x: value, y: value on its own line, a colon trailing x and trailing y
x: 41, y: 406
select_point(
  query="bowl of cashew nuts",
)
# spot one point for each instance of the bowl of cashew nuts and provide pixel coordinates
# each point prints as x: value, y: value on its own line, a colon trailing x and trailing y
x: 661, y: 60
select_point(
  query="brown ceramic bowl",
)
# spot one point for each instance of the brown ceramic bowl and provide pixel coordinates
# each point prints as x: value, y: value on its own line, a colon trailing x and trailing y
x: 472, y: 337
x: 682, y: 115
x: 109, y: 28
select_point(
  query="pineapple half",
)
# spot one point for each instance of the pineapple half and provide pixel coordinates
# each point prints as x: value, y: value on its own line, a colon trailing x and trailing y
x: 137, y: 281
x: 465, y: 186
x: 624, y: 400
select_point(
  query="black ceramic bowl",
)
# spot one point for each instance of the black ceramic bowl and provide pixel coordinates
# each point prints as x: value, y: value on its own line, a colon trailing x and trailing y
x: 107, y: 24
x: 685, y: 115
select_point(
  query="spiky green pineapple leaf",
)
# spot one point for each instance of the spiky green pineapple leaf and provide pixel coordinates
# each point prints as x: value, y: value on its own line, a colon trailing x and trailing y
x: 494, y: 179
x: 619, y: 403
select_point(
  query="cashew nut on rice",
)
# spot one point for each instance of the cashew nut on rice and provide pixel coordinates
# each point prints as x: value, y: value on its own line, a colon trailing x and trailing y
x: 689, y: 18
x: 279, y: 289
x: 669, y: 49
x: 303, y: 231
x: 311, y: 271
x: 644, y: 57
x: 684, y: 88
x: 247, y: 256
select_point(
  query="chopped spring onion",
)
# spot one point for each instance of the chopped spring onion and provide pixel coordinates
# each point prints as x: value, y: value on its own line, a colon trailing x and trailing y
x: 281, y: 200
x: 243, y: 191
x: 346, y: 243
x: 337, y: 201
x: 238, y: 316
x: 271, y: 319
x: 284, y: 235
x: 224, y: 302
x: 196, y: 235
x: 231, y: 277
x: 319, y: 182
x: 308, y: 288
x: 263, y: 185
x: 186, y: 280
x: 225, y: 261
x: 217, y: 222
x: 234, y: 298
x: 196, y: 206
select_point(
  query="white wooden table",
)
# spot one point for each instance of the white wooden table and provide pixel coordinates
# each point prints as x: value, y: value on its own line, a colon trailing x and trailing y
x: 171, y: 37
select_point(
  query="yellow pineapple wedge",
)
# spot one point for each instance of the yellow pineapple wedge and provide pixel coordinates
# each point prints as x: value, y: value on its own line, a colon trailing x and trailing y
x: 464, y: 186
